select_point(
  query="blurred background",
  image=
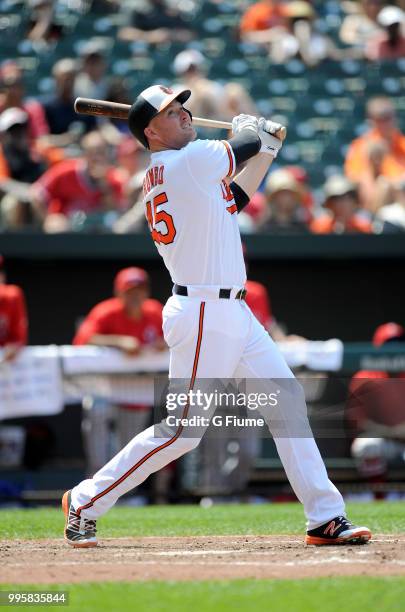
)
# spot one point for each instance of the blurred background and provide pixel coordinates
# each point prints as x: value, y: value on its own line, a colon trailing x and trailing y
x: 82, y: 285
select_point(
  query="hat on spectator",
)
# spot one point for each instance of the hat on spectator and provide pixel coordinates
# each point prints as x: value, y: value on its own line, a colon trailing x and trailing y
x: 130, y: 277
x: 148, y: 104
x: 298, y: 9
x: 390, y: 15
x: 92, y: 48
x: 282, y: 180
x: 186, y: 59
x: 11, y: 117
x: 338, y: 185
x: 65, y: 65
x: 388, y: 332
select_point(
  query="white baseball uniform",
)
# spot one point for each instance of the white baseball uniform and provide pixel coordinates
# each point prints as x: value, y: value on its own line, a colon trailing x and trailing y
x: 193, y: 220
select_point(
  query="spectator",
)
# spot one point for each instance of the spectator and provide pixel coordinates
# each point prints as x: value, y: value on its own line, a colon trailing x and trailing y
x: 13, y: 318
x: 130, y: 322
x: 381, y: 115
x: 12, y: 95
x: 392, y: 216
x: 376, y: 415
x: 389, y: 44
x: 87, y: 185
x: 299, y: 38
x: 236, y: 101
x: 190, y: 66
x: 258, y: 19
x: 116, y: 130
x: 257, y: 205
x: 42, y: 25
x: 20, y: 165
x: 210, y: 99
x: 358, y: 27
x: 91, y: 80
x: 342, y: 204
x: 374, y: 189
x: 156, y: 24
x: 285, y: 211
x: 59, y: 108
x: 17, y: 159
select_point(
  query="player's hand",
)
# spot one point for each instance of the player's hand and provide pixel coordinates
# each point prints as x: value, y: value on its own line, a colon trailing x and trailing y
x: 270, y: 144
x: 271, y: 127
x: 129, y: 345
x: 244, y: 122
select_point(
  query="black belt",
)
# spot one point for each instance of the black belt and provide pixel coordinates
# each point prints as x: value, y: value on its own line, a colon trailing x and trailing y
x: 223, y: 293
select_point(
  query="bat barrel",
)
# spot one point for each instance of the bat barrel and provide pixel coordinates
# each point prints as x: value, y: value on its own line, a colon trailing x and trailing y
x: 88, y: 106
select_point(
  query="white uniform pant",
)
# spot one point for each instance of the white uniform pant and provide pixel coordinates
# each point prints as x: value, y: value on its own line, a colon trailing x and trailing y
x: 211, y: 339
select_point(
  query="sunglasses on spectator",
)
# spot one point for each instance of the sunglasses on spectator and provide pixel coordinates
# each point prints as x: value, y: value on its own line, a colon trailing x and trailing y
x: 388, y: 116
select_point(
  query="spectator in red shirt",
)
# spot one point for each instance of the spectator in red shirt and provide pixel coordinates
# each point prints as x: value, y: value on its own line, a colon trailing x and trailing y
x: 341, y: 214
x: 130, y: 321
x: 13, y: 318
x: 87, y: 185
x: 376, y: 414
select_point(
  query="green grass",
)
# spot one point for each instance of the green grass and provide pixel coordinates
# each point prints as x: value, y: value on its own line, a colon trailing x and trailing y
x: 326, y: 595
x: 382, y: 517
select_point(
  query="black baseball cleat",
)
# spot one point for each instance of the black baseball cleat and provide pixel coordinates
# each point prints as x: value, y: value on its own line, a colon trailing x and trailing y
x: 338, y: 531
x: 79, y: 531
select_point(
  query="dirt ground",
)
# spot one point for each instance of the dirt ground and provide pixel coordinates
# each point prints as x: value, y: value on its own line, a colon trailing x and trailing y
x: 197, y: 558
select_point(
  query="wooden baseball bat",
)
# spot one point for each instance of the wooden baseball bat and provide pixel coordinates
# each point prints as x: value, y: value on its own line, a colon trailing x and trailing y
x: 88, y: 106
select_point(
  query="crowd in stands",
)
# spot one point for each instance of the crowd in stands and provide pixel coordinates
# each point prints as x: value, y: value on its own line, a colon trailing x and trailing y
x: 60, y: 171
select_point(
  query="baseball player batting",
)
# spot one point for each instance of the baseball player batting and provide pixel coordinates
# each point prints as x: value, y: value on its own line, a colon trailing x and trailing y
x: 191, y: 199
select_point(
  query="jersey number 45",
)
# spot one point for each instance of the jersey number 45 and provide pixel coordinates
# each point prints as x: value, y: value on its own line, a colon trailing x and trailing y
x: 155, y: 216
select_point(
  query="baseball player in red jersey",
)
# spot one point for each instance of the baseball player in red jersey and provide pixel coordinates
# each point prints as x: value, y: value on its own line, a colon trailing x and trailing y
x: 376, y: 413
x: 131, y: 321
x: 210, y: 330
x: 13, y: 318
x: 128, y: 321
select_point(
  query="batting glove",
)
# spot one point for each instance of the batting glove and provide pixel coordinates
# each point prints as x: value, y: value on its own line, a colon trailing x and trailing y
x: 271, y: 127
x: 270, y: 144
x: 244, y: 122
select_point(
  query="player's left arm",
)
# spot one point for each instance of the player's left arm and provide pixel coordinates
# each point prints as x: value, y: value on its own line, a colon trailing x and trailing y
x: 246, y: 183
